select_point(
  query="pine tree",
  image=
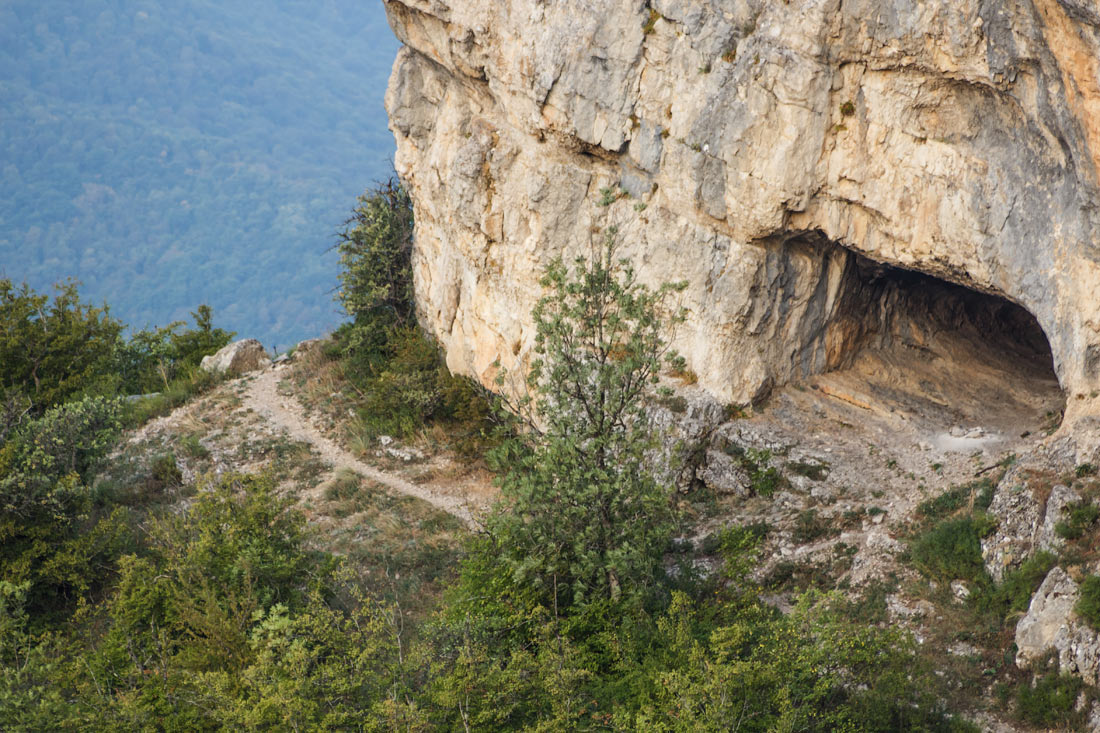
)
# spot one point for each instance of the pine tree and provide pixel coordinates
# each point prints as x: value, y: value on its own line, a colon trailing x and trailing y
x: 585, y: 519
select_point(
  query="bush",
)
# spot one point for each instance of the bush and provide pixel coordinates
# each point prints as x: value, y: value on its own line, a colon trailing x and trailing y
x: 193, y: 446
x: 958, y: 497
x: 398, y: 371
x: 165, y: 472
x: 152, y: 360
x: 812, y: 471
x: 44, y: 467
x: 55, y: 350
x: 763, y: 478
x: 376, y: 284
x: 952, y: 549
x: 1014, y: 593
x: 1050, y: 702
x: 813, y: 670
x: 50, y: 538
x: 185, y: 387
x: 228, y: 620
x: 810, y: 527
x: 1076, y: 518
x: 1088, y: 603
x: 586, y: 522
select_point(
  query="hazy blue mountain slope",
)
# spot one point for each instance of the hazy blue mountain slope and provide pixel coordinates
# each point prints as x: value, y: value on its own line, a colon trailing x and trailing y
x: 172, y: 153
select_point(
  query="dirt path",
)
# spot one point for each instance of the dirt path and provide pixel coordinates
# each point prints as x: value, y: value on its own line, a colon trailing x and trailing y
x: 262, y: 397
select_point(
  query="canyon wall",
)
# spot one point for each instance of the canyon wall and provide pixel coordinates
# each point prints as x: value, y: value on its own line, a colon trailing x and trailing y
x: 757, y: 150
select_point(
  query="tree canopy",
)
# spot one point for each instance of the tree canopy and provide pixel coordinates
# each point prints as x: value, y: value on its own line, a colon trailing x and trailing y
x: 146, y: 602
x: 586, y: 517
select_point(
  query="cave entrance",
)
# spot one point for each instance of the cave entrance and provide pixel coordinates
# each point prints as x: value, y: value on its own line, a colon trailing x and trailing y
x: 966, y: 364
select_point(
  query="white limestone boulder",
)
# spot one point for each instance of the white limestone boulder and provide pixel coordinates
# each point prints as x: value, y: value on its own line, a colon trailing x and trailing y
x: 239, y: 357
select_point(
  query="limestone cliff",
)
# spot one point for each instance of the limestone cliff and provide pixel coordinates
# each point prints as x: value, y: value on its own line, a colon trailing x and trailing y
x: 781, y: 157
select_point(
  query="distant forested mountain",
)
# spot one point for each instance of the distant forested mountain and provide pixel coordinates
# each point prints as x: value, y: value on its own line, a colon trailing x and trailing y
x: 172, y: 153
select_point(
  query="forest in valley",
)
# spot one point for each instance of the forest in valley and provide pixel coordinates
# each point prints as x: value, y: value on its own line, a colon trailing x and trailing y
x: 167, y: 154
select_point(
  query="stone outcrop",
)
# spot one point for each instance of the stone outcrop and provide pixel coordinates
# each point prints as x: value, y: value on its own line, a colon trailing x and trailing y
x: 781, y: 158
x: 246, y: 355
x: 1051, y: 626
x: 1028, y: 504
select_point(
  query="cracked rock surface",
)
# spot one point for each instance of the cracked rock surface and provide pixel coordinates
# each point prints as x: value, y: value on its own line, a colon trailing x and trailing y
x: 729, y: 140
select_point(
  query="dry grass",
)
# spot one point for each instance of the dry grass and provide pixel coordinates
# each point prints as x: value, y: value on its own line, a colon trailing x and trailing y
x: 1040, y: 484
x: 400, y: 546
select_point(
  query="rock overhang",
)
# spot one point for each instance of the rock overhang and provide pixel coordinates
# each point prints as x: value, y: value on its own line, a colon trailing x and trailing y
x: 952, y: 139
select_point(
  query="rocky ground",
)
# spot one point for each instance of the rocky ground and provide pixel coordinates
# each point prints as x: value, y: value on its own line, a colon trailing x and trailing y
x: 396, y: 511
x: 250, y: 419
x: 839, y: 472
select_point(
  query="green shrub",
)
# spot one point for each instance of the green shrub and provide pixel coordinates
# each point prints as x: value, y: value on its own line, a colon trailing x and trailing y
x: 51, y: 536
x: 1020, y: 585
x: 956, y: 498
x: 165, y: 471
x: 375, y: 258
x: 945, y: 504
x: 764, y: 479
x: 1050, y: 702
x: 1085, y: 469
x: 406, y: 387
x: 1014, y: 593
x: 184, y: 388
x: 193, y: 446
x: 809, y: 527
x: 734, y: 535
x: 587, y: 523
x: 852, y: 517
x: 1088, y: 603
x: 55, y: 453
x: 812, y: 471
x: 398, y: 370
x: 952, y: 549
x: 55, y: 350
x: 811, y: 670
x: 1076, y: 518
x: 151, y: 360
x: 984, y: 498
x: 343, y: 493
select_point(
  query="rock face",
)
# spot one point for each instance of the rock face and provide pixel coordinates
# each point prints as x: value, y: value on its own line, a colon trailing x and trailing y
x: 246, y: 355
x: 1051, y: 626
x: 1028, y: 504
x: 782, y: 158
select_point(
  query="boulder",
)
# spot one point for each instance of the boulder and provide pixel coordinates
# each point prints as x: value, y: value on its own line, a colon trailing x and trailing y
x: 309, y: 347
x: 1052, y: 626
x: 724, y: 475
x: 246, y: 355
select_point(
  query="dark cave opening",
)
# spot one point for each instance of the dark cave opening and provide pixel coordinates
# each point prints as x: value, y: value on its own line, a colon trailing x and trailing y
x: 914, y: 342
